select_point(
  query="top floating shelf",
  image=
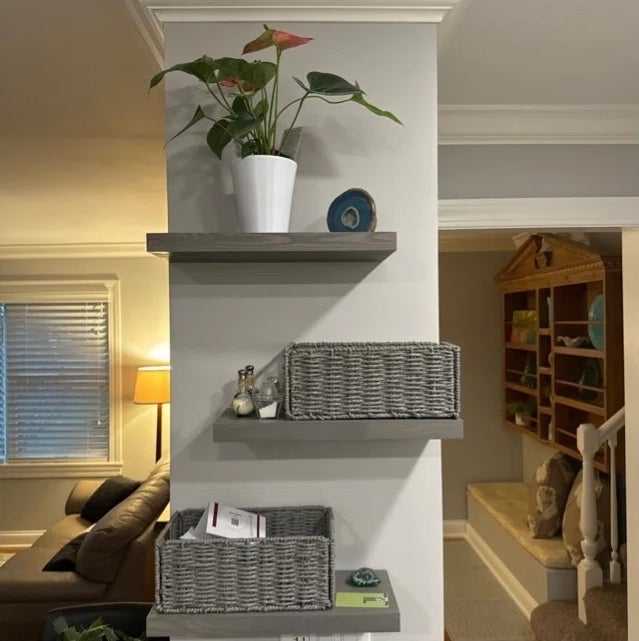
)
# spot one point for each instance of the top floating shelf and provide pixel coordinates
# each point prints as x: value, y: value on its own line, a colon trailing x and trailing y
x: 273, y: 248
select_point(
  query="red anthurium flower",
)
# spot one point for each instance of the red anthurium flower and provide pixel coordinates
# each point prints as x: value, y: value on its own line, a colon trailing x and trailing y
x: 232, y: 82
x: 281, y: 40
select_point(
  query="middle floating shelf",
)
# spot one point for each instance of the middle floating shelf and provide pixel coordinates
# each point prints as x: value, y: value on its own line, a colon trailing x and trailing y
x: 231, y: 429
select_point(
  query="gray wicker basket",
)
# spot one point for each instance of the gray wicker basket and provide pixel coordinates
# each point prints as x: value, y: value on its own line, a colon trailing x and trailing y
x: 293, y: 568
x: 371, y: 380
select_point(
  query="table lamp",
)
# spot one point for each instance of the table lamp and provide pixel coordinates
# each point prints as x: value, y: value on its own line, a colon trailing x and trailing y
x: 153, y: 387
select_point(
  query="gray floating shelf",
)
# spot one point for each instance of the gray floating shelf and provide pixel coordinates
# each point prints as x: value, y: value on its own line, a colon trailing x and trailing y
x: 230, y: 429
x: 273, y: 248
x: 239, y: 625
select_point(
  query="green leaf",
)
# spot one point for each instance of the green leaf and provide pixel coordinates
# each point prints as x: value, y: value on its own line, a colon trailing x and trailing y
x: 240, y: 105
x: 301, y: 84
x: 359, y: 99
x: 328, y: 84
x: 197, y: 116
x: 261, y: 107
x: 249, y: 148
x: 219, y: 136
x: 258, y: 73
x: 203, y: 69
x: 244, y: 123
x: 60, y: 625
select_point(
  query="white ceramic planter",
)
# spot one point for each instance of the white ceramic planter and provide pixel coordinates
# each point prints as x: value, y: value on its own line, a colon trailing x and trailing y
x: 263, y: 192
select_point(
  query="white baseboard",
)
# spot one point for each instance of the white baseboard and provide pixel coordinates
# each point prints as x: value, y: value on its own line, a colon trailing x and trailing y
x: 455, y: 529
x: 517, y: 592
x: 19, y: 538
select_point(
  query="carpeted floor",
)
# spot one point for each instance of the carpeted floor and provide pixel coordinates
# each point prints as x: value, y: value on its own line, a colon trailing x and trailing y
x: 476, y: 607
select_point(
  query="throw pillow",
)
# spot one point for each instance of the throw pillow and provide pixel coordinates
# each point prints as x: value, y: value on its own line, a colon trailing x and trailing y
x: 107, y: 496
x: 102, y: 552
x: 547, y: 495
x: 572, y: 514
x: 64, y: 559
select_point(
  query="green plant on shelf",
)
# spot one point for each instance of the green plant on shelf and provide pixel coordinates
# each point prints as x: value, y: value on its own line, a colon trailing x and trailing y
x: 522, y: 412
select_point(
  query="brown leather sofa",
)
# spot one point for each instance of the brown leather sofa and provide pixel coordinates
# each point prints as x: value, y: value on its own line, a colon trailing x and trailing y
x: 114, y: 561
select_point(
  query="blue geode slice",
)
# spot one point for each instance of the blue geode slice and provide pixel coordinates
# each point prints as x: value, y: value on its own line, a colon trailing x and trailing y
x: 354, y: 210
x: 364, y: 578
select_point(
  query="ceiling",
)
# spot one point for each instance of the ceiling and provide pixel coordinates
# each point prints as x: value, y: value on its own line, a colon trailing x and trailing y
x: 82, y: 139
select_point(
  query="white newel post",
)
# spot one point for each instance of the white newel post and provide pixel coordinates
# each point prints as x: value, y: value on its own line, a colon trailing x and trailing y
x: 615, y: 566
x: 589, y: 574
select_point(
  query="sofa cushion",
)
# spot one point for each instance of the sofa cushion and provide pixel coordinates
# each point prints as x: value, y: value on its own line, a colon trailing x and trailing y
x: 107, y: 496
x: 571, y: 532
x: 105, y: 546
x: 64, y: 559
x: 547, y: 495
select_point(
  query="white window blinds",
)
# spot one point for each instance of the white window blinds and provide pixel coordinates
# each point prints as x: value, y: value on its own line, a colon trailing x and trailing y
x: 54, y: 380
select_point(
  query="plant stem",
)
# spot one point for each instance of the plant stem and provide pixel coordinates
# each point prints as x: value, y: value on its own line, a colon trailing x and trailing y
x: 261, y: 135
x: 297, y: 113
x: 272, y: 113
x: 223, y: 102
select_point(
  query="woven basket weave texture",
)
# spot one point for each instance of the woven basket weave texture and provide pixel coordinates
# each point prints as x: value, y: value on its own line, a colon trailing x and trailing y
x: 293, y: 568
x: 371, y: 380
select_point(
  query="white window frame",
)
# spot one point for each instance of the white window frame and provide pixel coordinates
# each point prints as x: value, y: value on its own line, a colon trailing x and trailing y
x: 45, y: 290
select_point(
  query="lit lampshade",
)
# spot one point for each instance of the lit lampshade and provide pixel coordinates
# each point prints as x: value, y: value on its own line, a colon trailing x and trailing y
x: 153, y: 387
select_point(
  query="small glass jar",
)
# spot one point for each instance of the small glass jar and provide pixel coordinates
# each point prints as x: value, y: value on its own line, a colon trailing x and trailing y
x: 268, y: 399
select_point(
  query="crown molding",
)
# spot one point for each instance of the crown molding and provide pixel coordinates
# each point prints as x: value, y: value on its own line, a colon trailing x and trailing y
x: 538, y: 213
x: 538, y: 124
x: 423, y: 11
x: 74, y: 250
x: 149, y: 27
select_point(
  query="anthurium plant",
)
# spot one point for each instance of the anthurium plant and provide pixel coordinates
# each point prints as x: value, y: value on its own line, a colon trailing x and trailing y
x: 247, y: 93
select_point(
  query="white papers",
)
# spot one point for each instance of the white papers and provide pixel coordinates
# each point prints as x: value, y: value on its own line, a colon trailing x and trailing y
x: 227, y: 521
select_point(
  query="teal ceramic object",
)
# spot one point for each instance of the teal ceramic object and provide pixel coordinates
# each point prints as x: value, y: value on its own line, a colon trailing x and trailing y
x: 364, y: 578
x: 596, y: 329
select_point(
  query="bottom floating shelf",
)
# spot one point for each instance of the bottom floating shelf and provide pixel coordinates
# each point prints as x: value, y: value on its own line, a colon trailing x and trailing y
x: 239, y: 625
x: 230, y: 429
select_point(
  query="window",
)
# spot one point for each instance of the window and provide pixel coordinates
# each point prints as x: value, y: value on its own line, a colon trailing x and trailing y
x: 57, y: 360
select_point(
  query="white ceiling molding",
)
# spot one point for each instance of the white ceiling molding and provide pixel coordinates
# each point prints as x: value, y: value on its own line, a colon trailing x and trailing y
x: 74, y: 250
x: 538, y: 124
x: 149, y: 27
x: 290, y: 11
x: 538, y: 213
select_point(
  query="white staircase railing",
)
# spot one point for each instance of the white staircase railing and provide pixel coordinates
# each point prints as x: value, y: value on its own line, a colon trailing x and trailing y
x: 589, y: 440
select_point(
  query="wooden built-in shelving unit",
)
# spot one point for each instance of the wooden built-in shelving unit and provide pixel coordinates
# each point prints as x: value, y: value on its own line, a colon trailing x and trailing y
x: 557, y: 281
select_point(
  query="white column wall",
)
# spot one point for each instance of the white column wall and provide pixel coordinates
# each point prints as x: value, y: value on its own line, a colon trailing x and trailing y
x: 386, y: 496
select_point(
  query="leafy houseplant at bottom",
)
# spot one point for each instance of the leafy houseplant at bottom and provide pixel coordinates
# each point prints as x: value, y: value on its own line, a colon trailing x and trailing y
x: 96, y: 631
x: 522, y: 412
x: 247, y: 96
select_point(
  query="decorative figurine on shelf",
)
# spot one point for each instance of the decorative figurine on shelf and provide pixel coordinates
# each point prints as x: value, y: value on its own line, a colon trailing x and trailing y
x: 570, y: 341
x: 364, y: 578
x: 242, y: 403
x: 268, y: 398
x: 354, y: 210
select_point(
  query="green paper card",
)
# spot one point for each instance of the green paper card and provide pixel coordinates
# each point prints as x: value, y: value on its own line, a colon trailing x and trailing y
x: 361, y: 600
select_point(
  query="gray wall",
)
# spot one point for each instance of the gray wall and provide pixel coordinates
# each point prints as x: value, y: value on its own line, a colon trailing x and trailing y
x: 386, y: 495
x: 470, y: 317
x: 521, y: 171
x: 144, y: 335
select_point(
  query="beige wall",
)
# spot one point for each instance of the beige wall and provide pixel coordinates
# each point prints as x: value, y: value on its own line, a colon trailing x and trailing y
x: 630, y: 252
x: 470, y: 317
x: 34, y: 504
